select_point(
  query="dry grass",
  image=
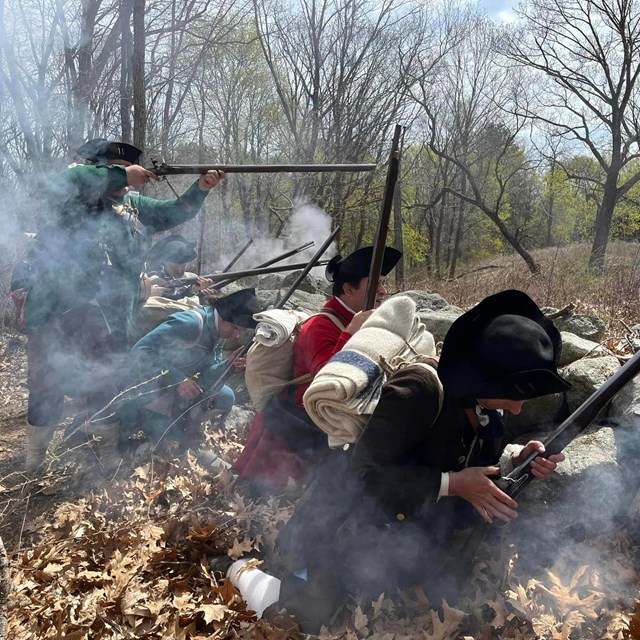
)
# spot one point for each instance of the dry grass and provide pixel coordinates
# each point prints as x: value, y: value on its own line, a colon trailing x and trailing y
x: 564, y: 278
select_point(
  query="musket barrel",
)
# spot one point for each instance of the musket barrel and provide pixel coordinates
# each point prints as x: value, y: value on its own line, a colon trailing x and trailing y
x: 375, y: 268
x: 236, y: 275
x: 287, y: 254
x: 283, y: 256
x: 238, y: 255
x: 164, y: 169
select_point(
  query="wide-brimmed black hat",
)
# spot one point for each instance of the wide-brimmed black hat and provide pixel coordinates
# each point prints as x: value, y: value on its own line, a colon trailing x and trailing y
x: 174, y: 248
x: 503, y: 348
x: 101, y: 151
x: 239, y: 307
x: 357, y: 264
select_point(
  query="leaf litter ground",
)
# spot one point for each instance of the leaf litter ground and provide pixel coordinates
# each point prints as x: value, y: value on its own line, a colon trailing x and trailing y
x: 97, y: 558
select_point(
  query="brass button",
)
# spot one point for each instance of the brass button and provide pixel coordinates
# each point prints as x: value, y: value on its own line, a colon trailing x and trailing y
x: 345, y: 447
x: 400, y: 517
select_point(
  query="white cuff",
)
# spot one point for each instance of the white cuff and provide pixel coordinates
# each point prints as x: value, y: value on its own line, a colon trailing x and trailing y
x: 444, y: 486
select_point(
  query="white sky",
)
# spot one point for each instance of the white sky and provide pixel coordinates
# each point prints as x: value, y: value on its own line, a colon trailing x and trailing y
x: 499, y: 10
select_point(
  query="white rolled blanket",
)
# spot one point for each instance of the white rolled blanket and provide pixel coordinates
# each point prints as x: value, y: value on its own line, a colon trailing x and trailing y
x: 347, y: 389
x: 276, y: 326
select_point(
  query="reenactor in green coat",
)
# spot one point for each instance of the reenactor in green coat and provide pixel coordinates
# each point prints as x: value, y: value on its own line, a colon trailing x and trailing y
x: 86, y: 266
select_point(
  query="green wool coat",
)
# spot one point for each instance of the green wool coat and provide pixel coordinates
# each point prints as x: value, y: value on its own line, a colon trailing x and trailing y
x: 91, y: 244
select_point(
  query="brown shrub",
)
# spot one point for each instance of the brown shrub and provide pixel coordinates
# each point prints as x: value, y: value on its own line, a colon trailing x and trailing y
x: 564, y: 278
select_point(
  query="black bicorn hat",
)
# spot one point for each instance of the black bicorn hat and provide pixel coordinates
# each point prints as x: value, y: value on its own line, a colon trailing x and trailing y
x: 357, y: 264
x: 239, y: 307
x: 100, y: 151
x: 503, y: 348
x: 173, y: 248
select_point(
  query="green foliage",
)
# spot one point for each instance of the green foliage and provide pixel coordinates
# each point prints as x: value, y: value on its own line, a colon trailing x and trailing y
x: 571, y: 203
x: 416, y: 245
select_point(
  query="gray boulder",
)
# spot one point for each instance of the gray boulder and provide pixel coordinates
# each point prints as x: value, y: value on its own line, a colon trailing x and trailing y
x: 271, y: 281
x: 543, y: 414
x: 624, y: 409
x: 586, y: 376
x: 299, y: 300
x: 587, y: 327
x: 239, y: 419
x: 438, y: 322
x: 308, y: 284
x: 304, y: 300
x: 425, y: 300
x: 323, y: 285
x: 574, y: 348
x: 268, y: 297
x: 249, y: 281
x: 230, y: 288
x: 539, y: 414
x: 634, y: 338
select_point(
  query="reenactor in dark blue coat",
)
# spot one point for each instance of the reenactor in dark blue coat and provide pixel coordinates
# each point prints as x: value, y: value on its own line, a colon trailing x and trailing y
x: 382, y: 513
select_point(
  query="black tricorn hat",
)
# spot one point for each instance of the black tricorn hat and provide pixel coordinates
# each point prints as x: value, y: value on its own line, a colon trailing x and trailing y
x: 101, y: 151
x: 239, y: 307
x: 173, y: 248
x: 503, y: 348
x: 356, y: 265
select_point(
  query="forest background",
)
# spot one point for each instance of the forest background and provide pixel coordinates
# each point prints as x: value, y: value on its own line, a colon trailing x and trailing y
x: 516, y: 137
x: 520, y: 168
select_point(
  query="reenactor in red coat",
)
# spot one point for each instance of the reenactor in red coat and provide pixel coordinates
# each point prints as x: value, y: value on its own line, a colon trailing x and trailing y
x: 284, y: 445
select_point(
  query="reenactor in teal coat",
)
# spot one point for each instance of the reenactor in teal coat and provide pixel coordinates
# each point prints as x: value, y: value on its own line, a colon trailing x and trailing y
x: 177, y: 367
x: 86, y: 266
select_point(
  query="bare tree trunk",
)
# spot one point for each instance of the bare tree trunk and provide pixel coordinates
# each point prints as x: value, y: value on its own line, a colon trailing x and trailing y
x: 603, y: 222
x: 126, y: 50
x: 459, y: 227
x: 397, y: 233
x: 14, y: 87
x: 550, y: 207
x: 78, y: 63
x: 516, y: 244
x: 138, y: 77
x: 440, y: 227
x: 202, y: 216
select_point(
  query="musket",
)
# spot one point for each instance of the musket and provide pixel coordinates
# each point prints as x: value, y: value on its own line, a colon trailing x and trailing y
x: 314, y: 262
x: 236, y: 275
x: 515, y: 481
x: 383, y: 223
x: 287, y: 254
x: 238, y: 255
x: 282, y: 256
x: 161, y: 168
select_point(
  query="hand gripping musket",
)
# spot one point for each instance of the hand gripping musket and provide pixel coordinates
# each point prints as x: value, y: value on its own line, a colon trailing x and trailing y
x: 314, y: 262
x: 383, y: 223
x: 236, y: 275
x: 161, y: 168
x: 513, y: 483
